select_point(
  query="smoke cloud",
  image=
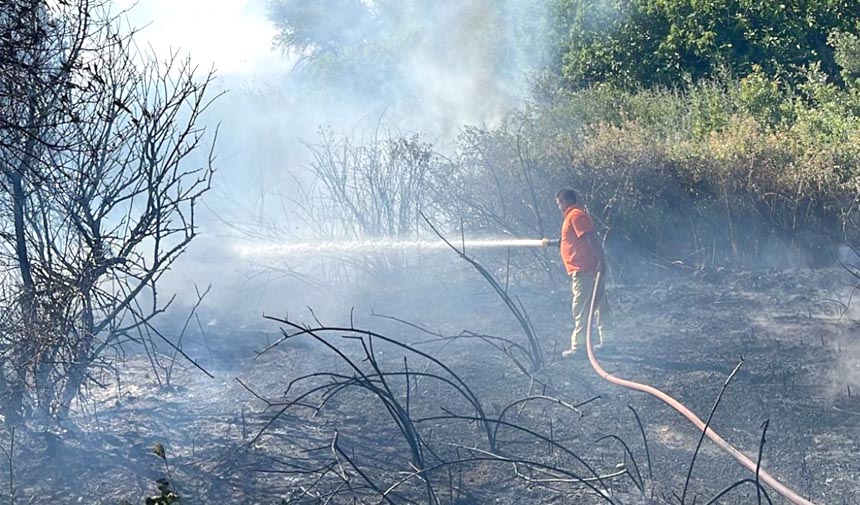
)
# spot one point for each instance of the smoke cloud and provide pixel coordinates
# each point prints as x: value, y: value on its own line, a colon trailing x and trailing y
x: 290, y: 68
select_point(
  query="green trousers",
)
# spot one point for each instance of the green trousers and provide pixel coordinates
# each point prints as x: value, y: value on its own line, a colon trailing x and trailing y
x: 583, y: 289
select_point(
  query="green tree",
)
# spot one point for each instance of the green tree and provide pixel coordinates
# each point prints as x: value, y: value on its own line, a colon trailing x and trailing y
x: 847, y: 54
x: 634, y: 43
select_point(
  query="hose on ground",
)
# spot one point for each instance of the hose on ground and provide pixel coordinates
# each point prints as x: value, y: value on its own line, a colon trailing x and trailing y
x: 765, y: 477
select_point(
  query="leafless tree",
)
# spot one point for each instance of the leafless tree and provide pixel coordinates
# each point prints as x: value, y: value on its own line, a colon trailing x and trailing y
x: 372, y: 189
x: 98, y: 185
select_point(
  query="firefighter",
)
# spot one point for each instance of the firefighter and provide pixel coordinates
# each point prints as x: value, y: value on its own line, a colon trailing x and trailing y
x: 583, y: 257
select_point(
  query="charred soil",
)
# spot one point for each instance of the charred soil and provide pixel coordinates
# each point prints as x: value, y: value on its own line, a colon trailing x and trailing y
x: 684, y: 333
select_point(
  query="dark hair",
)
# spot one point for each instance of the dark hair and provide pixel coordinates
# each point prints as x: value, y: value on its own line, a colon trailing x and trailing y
x: 567, y: 195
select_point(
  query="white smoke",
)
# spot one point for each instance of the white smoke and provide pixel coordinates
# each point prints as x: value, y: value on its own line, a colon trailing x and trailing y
x: 440, y: 66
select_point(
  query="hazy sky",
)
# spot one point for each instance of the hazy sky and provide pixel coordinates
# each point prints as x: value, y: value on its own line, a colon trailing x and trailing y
x: 234, y: 35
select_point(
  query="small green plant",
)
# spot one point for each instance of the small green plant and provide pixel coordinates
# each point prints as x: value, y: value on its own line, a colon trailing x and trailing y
x: 165, y: 496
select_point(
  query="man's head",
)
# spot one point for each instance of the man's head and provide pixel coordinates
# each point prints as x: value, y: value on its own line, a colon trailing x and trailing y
x: 565, y: 198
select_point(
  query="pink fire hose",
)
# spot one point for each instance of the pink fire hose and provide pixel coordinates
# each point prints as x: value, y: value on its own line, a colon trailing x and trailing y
x: 765, y: 477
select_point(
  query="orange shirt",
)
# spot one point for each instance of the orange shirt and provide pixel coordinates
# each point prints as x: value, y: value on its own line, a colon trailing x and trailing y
x: 577, y: 254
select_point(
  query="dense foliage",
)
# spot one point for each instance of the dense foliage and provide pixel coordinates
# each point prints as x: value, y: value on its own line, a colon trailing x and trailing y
x: 632, y: 43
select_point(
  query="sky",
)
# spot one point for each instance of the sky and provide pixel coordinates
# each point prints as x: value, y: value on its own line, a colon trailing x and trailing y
x: 232, y: 35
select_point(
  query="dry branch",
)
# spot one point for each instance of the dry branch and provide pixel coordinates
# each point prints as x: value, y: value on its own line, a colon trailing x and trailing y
x: 536, y: 353
x: 429, y: 477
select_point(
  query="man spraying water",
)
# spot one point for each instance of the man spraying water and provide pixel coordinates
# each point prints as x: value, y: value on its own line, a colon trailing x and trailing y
x: 583, y: 257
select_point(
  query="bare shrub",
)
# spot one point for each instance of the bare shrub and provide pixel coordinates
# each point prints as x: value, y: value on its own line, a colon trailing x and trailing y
x: 373, y: 189
x: 368, y: 190
x: 100, y: 190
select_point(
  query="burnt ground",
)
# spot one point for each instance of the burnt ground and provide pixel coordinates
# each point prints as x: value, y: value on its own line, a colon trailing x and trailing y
x: 683, y: 334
